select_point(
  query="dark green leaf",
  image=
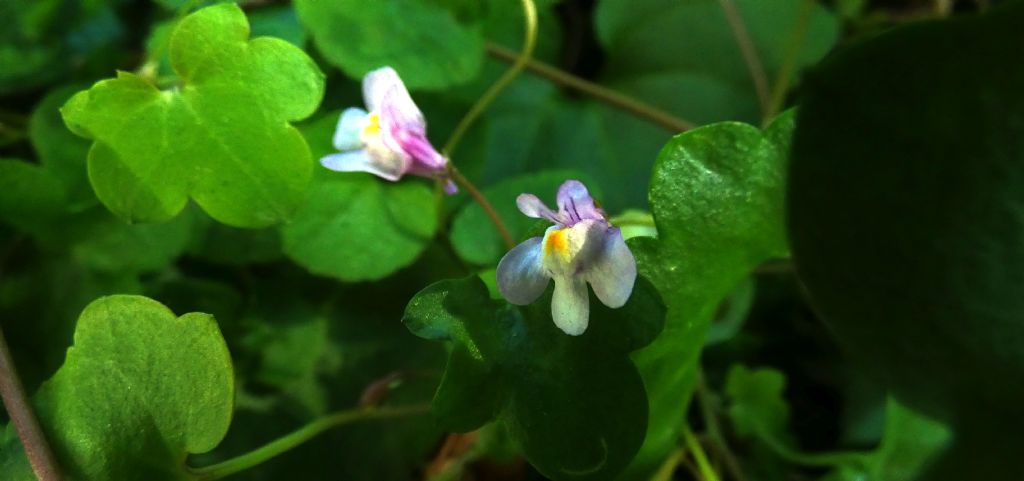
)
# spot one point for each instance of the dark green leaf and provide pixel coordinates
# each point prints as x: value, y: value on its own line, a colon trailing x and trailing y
x: 904, y: 211
x: 61, y: 152
x: 575, y: 405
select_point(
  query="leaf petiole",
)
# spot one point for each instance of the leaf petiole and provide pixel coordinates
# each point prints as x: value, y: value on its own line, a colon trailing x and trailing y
x: 301, y: 435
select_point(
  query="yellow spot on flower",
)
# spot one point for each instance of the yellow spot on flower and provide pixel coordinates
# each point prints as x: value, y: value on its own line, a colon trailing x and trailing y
x: 372, y: 125
x: 557, y: 241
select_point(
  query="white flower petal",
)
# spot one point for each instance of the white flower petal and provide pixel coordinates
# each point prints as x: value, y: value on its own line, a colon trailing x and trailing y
x: 570, y: 305
x: 384, y: 92
x: 350, y: 127
x: 358, y: 161
x: 521, y: 278
x: 612, y: 272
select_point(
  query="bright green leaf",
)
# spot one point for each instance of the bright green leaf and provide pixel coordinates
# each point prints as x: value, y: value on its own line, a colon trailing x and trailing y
x: 354, y: 226
x: 474, y: 235
x: 138, y: 391
x: 574, y: 405
x: 422, y: 40
x: 717, y: 199
x: 222, y: 139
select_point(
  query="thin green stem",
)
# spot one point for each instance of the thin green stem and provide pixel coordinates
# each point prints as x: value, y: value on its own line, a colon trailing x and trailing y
x: 708, y: 406
x: 667, y: 469
x: 706, y: 472
x: 615, y: 99
x: 749, y: 52
x: 530, y: 40
x: 307, y: 432
x: 790, y: 59
x: 37, y: 450
x: 478, y: 196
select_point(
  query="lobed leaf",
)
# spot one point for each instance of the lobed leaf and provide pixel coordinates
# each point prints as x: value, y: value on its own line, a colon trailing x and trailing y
x: 138, y: 391
x: 717, y: 198
x: 222, y: 139
x: 574, y: 405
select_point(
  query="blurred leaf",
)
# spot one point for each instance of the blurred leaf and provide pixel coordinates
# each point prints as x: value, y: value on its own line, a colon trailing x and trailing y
x: 757, y: 407
x: 139, y: 390
x: 106, y: 243
x: 223, y: 244
x: 682, y: 56
x: 60, y: 152
x: 474, y: 236
x: 421, y: 39
x: 30, y: 197
x: 575, y: 405
x: 44, y: 40
x: 717, y: 199
x: 910, y: 442
x: 732, y: 313
x: 354, y: 226
x: 904, y: 213
x: 223, y: 139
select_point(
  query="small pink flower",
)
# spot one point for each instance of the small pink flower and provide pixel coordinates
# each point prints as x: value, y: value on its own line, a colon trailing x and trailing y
x: 390, y: 140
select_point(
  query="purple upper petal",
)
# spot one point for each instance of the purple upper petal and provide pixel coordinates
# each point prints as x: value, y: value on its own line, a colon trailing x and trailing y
x: 531, y: 206
x: 575, y: 202
x: 521, y: 277
x: 612, y: 270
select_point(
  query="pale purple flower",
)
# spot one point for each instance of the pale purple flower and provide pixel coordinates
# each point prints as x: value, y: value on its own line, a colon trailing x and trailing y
x: 582, y: 247
x: 390, y: 140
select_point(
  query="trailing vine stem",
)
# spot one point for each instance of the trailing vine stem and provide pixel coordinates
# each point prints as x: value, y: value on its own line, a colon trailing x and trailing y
x: 37, y: 450
x: 529, y: 42
x: 479, y: 197
x: 301, y: 435
x: 618, y: 100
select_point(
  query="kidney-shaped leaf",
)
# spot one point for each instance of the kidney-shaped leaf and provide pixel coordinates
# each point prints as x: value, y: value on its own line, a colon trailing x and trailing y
x: 575, y: 405
x: 717, y: 198
x: 222, y: 138
x: 421, y: 39
x: 138, y: 391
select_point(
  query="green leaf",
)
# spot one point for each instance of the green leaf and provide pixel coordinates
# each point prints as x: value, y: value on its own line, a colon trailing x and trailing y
x: 700, y: 73
x: 909, y: 444
x: 354, y: 226
x: 575, y: 405
x: 139, y: 390
x: 60, y: 152
x: 717, y: 198
x: 105, y: 243
x: 757, y: 406
x: 904, y: 214
x: 474, y: 236
x: 422, y: 40
x: 218, y: 243
x: 222, y: 139
x: 29, y: 196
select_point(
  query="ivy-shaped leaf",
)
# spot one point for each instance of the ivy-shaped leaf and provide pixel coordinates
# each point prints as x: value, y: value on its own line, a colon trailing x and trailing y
x: 138, y: 391
x: 575, y: 405
x: 421, y: 39
x: 473, y: 235
x: 30, y: 197
x: 717, y: 198
x: 354, y: 226
x: 222, y: 138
